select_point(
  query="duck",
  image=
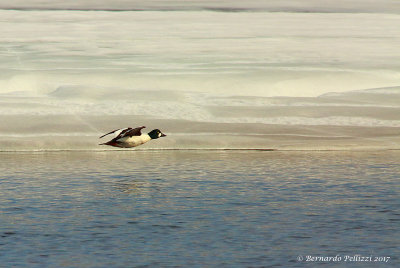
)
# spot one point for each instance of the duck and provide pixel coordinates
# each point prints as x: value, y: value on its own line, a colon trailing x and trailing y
x: 131, y: 137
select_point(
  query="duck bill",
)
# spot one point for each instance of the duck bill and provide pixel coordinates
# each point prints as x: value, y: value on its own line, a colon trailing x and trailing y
x: 163, y: 135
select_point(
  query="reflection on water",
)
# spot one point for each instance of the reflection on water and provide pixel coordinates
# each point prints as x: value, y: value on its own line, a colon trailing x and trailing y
x: 196, y: 209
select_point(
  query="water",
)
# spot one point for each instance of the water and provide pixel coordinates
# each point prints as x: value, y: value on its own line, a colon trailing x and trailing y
x: 210, y: 74
x: 197, y: 208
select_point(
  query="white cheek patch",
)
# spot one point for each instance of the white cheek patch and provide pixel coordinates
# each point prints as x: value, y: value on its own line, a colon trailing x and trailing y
x: 159, y: 134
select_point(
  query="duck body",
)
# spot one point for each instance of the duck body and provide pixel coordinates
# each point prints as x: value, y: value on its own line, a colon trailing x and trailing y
x: 132, y: 137
x: 129, y: 142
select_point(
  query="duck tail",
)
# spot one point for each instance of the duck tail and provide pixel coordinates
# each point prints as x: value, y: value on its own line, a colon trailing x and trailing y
x: 106, y: 143
x: 110, y: 143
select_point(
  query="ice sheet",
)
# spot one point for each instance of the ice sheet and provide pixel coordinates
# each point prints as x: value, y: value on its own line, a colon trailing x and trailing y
x: 211, y: 79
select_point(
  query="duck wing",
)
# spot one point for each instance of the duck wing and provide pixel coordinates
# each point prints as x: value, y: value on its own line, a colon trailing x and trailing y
x: 123, y: 132
x: 120, y: 131
x: 131, y: 132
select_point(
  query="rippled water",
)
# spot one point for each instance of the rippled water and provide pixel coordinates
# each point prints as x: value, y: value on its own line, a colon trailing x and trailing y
x: 197, y: 208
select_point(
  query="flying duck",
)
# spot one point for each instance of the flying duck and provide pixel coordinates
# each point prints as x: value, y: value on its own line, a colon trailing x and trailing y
x: 132, y: 137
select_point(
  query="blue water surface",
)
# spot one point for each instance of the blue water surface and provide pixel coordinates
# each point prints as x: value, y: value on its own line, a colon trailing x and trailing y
x: 198, y: 208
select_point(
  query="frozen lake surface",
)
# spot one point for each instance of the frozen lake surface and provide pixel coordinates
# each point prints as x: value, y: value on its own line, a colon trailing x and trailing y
x: 197, y: 208
x: 254, y: 75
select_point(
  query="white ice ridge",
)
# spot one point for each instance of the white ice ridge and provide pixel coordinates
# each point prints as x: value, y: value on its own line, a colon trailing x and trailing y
x: 324, y: 121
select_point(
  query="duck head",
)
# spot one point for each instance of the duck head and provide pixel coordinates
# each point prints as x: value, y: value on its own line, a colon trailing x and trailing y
x: 155, y: 134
